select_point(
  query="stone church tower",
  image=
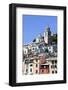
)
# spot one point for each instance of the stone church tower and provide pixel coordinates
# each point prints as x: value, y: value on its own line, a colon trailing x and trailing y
x: 47, y: 35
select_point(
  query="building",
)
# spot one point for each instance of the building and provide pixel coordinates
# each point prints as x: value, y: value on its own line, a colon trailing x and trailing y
x: 25, y: 50
x: 31, y: 66
x: 52, y: 61
x: 47, y: 36
x: 28, y: 66
x: 39, y: 39
x: 25, y: 66
x: 40, y: 57
x: 52, y: 48
x: 36, y: 66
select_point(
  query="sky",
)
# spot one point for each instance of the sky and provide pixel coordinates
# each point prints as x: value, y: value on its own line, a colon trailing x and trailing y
x: 34, y: 25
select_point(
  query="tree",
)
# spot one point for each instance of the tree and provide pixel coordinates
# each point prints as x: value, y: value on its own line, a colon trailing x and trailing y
x: 54, y: 38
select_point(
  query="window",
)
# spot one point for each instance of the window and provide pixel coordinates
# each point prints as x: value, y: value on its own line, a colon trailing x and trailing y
x: 33, y: 48
x: 31, y: 65
x: 52, y: 62
x: 26, y: 61
x: 26, y: 70
x: 36, y: 65
x: 55, y: 61
x: 52, y: 66
x: 55, y: 66
x: 53, y: 72
x: 30, y: 69
x: 36, y: 60
x: 25, y: 51
x: 36, y: 71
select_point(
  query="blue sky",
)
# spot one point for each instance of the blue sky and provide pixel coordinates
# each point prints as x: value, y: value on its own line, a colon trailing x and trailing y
x: 34, y: 25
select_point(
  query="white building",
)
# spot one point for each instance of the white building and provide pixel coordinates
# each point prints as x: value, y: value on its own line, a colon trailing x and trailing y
x: 25, y: 50
x: 31, y: 66
x: 35, y: 49
x: 39, y: 39
x: 30, y: 69
x: 52, y: 48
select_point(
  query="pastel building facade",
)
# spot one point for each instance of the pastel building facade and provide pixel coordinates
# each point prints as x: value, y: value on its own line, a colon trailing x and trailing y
x: 52, y: 61
x: 31, y: 66
x: 36, y: 66
x: 40, y: 65
x: 40, y: 57
x: 44, y: 67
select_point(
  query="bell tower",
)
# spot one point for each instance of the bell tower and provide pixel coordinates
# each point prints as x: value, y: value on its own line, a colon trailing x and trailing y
x: 47, y: 35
